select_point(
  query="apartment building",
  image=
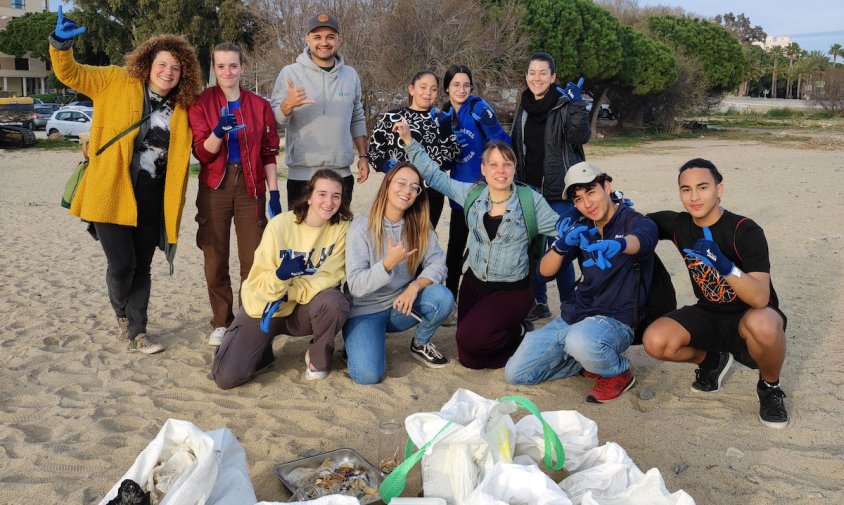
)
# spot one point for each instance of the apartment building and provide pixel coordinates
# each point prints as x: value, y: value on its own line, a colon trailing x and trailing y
x: 22, y: 76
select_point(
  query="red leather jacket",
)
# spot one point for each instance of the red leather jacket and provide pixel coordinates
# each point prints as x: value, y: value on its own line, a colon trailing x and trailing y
x: 258, y: 141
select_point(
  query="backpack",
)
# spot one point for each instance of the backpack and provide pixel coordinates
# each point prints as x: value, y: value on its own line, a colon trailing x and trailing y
x: 536, y: 242
x: 659, y: 290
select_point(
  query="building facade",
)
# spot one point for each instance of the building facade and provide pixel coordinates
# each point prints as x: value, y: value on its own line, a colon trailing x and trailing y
x: 22, y: 76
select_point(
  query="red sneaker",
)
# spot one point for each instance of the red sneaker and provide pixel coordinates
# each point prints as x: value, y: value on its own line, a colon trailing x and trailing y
x: 609, y: 388
x: 589, y: 375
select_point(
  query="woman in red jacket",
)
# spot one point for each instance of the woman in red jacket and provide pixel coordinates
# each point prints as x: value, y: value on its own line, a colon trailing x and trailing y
x: 235, y: 141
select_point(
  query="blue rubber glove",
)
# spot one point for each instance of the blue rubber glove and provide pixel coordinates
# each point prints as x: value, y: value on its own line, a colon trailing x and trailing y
x: 462, y: 141
x: 270, y: 309
x: 484, y: 115
x: 707, y: 251
x: 388, y: 165
x: 274, y: 206
x: 66, y: 28
x: 603, y: 251
x: 574, y: 92
x: 564, y: 225
x: 618, y: 197
x: 441, y: 118
x: 292, y: 265
x: 227, y: 124
x: 581, y: 236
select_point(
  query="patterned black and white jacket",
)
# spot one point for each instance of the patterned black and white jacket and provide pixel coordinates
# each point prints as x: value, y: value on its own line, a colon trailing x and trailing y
x: 384, y: 144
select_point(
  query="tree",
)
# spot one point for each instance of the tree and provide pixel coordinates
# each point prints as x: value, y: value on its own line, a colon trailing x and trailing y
x: 28, y: 34
x: 776, y: 63
x: 792, y: 52
x: 718, y: 52
x: 115, y: 24
x: 835, y: 51
x: 755, y: 63
x: 741, y: 28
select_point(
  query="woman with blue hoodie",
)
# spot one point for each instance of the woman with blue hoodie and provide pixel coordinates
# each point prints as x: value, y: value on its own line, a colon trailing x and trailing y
x: 474, y: 124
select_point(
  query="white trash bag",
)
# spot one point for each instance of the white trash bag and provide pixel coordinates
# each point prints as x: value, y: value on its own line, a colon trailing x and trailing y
x: 181, y: 465
x: 577, y: 432
x: 650, y: 490
x: 512, y: 484
x: 605, y: 470
x: 334, y: 499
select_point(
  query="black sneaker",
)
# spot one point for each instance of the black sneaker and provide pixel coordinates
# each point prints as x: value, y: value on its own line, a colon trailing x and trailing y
x: 538, y: 311
x: 772, y: 411
x: 709, y: 381
x: 428, y: 354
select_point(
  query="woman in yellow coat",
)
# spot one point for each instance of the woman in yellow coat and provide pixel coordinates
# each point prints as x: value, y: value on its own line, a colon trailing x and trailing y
x: 133, y: 191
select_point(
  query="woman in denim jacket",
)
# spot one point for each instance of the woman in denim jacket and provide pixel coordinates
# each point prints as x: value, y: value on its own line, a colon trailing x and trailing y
x: 495, y: 295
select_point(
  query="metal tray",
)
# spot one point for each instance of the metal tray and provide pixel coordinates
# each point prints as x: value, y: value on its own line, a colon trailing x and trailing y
x: 337, y: 456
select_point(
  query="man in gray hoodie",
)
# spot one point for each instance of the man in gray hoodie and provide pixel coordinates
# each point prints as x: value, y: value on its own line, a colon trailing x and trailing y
x: 318, y: 100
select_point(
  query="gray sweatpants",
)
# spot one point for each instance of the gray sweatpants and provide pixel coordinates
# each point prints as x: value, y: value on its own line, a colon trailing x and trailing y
x: 246, y: 348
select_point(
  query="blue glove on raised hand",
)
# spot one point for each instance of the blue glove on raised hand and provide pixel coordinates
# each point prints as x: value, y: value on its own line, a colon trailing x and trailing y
x: 603, y: 251
x: 388, y: 165
x: 618, y: 197
x: 707, y: 251
x: 227, y: 124
x: 564, y: 225
x: 441, y: 118
x: 274, y: 206
x: 66, y: 28
x: 484, y: 115
x: 462, y: 141
x: 581, y: 236
x: 292, y: 265
x: 573, y: 93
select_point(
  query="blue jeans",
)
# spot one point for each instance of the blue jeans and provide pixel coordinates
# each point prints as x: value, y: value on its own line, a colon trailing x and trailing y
x: 365, y: 335
x: 559, y: 350
x: 565, y: 277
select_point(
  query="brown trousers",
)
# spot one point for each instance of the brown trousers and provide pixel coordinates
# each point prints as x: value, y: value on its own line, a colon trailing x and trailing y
x: 216, y: 208
x: 247, y: 349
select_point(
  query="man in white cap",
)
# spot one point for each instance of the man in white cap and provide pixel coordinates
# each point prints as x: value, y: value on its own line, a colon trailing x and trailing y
x: 318, y: 100
x: 615, y: 246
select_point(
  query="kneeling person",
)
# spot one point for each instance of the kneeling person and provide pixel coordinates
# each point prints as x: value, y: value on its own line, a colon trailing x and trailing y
x: 737, y: 312
x: 292, y: 287
x: 597, y: 326
x: 385, y: 251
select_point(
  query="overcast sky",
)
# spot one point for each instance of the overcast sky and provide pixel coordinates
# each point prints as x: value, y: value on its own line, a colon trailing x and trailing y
x: 814, y: 24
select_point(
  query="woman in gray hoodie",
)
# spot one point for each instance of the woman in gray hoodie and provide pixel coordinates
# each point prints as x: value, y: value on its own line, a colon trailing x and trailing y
x: 394, y: 273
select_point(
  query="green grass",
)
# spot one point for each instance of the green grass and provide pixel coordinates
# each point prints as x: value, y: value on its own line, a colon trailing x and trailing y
x: 57, y: 145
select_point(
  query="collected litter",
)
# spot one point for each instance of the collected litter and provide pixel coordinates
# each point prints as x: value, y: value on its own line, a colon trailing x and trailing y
x: 342, y: 471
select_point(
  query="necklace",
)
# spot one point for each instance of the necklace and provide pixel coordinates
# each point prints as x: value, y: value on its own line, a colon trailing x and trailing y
x: 505, y: 199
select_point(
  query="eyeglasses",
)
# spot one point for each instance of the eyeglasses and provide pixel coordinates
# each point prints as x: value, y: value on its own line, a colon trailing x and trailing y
x: 403, y: 185
x: 457, y: 85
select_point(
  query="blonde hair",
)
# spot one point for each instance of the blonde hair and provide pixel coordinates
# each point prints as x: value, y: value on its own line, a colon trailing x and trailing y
x: 417, y: 221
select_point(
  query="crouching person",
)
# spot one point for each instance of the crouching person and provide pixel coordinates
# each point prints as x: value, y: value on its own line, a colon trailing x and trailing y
x: 385, y: 251
x: 597, y: 326
x: 737, y: 313
x: 292, y: 287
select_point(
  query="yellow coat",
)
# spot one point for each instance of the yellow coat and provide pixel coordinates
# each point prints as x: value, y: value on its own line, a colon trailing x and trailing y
x: 105, y: 194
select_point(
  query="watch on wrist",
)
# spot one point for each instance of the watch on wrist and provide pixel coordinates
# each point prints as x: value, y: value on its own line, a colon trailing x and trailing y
x: 735, y: 271
x: 364, y: 155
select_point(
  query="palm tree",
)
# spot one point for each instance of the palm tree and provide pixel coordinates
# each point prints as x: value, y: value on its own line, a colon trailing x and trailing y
x: 754, y: 57
x: 777, y: 62
x: 792, y: 51
x: 835, y: 51
x: 816, y: 61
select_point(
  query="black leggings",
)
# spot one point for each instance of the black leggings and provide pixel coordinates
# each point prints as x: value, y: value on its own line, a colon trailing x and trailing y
x: 458, y: 234
x: 435, y: 205
x: 129, y: 251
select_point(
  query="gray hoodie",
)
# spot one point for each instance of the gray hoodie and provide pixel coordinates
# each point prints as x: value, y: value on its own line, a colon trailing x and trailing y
x: 320, y: 135
x: 373, y: 289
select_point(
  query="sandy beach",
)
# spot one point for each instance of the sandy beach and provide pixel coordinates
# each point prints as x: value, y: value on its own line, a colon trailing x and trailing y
x: 76, y: 407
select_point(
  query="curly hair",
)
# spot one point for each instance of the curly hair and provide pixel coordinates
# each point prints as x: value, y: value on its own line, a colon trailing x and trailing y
x: 139, y: 64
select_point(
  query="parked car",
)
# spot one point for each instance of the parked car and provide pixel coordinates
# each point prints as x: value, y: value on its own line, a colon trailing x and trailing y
x: 41, y: 103
x: 79, y: 103
x: 43, y: 113
x: 70, y: 122
x: 605, y: 113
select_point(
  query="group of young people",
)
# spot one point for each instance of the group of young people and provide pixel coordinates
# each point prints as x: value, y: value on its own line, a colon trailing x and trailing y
x: 317, y: 271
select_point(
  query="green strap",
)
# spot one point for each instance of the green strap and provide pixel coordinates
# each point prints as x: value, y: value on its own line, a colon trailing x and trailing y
x: 127, y: 130
x: 555, y: 455
x: 393, y: 484
x: 474, y: 192
x: 528, y: 209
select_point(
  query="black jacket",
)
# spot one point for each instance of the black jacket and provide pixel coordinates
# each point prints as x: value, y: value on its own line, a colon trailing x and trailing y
x: 566, y: 130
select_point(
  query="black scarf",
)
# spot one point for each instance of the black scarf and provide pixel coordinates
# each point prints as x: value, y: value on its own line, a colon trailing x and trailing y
x: 534, y: 132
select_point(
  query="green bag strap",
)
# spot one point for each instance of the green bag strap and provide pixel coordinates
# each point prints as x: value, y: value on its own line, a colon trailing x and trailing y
x: 528, y: 209
x: 555, y: 455
x: 127, y: 130
x: 393, y: 484
x: 474, y: 192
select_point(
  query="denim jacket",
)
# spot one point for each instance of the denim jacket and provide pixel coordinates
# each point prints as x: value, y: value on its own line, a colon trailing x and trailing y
x: 505, y: 257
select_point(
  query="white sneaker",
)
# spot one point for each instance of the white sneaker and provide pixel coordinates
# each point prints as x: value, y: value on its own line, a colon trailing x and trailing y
x: 217, y: 335
x: 311, y: 374
x: 145, y: 344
